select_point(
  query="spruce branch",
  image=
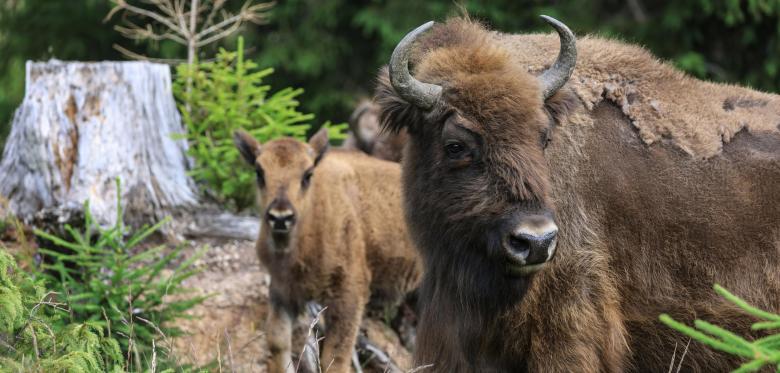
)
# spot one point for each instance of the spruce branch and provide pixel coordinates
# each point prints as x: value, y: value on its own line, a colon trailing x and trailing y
x: 758, y: 353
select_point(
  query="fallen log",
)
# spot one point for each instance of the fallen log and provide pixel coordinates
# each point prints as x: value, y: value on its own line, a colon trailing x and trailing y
x: 213, y: 223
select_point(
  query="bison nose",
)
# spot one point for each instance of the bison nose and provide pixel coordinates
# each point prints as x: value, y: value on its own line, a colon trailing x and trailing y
x: 281, y: 220
x: 532, y: 242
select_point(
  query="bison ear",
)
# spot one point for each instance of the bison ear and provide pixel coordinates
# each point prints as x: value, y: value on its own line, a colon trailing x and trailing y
x: 247, y: 146
x: 562, y: 104
x: 394, y: 112
x: 319, y: 143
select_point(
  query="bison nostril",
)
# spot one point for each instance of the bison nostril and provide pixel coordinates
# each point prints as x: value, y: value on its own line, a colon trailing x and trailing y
x: 524, y: 247
x: 519, y: 246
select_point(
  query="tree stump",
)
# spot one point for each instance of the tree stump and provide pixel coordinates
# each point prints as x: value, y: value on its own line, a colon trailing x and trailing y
x: 81, y: 126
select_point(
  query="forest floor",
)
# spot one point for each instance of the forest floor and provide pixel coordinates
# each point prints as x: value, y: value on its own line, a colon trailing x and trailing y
x: 226, y: 331
x: 227, y: 328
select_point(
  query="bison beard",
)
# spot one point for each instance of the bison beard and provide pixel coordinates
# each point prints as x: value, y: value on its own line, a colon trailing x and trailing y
x: 464, y: 291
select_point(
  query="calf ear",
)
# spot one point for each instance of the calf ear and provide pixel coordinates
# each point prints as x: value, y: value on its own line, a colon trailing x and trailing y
x: 319, y: 142
x: 247, y: 146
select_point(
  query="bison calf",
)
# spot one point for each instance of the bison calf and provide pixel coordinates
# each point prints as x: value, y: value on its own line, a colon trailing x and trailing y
x: 332, y: 231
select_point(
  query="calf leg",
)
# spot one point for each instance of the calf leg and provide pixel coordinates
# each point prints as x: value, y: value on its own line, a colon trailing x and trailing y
x: 279, y: 329
x: 342, y: 321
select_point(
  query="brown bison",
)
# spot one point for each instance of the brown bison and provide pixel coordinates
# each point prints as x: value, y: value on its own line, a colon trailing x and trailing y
x: 366, y: 135
x: 557, y: 217
x: 332, y: 231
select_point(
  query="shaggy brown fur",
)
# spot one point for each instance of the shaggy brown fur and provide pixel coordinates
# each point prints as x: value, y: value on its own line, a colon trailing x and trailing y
x: 662, y: 102
x: 366, y: 134
x: 645, y: 226
x: 348, y: 243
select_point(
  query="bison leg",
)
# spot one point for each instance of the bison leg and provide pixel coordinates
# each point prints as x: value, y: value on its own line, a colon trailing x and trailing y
x: 342, y: 320
x: 279, y: 329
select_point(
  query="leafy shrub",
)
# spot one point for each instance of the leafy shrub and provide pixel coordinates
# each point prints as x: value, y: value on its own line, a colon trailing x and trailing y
x: 30, y: 342
x: 228, y: 94
x: 108, y: 283
x: 760, y: 352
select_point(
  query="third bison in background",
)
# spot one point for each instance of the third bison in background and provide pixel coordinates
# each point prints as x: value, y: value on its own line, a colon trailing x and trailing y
x: 557, y: 218
x: 367, y: 136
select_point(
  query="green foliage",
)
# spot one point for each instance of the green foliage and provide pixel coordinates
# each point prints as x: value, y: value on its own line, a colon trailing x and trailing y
x: 758, y: 353
x: 110, y: 283
x: 29, y: 339
x: 228, y: 94
x: 333, y: 48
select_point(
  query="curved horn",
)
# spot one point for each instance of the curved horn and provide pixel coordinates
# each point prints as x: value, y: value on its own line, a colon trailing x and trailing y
x: 417, y: 93
x: 556, y: 76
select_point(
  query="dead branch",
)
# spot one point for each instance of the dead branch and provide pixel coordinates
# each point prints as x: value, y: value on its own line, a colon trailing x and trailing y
x: 135, y: 56
x: 191, y: 23
x: 375, y: 357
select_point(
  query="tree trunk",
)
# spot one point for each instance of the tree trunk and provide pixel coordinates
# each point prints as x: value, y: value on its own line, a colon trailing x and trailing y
x: 81, y: 126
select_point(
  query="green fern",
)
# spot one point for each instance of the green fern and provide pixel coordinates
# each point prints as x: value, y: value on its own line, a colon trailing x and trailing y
x: 107, y: 305
x: 109, y: 284
x: 30, y: 341
x: 11, y: 302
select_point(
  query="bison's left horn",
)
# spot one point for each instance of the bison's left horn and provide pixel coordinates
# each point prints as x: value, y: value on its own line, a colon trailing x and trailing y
x: 559, y: 73
x: 417, y: 93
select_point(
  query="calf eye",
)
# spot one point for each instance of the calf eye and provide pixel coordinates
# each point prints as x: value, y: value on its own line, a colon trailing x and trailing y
x: 306, y: 180
x: 260, y: 177
x: 455, y: 149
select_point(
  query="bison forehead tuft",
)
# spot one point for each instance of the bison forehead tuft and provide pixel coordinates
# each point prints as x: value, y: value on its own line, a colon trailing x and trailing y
x: 482, y: 83
x: 498, y: 99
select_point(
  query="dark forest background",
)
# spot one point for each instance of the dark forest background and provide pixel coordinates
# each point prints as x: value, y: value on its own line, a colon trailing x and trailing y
x: 332, y: 48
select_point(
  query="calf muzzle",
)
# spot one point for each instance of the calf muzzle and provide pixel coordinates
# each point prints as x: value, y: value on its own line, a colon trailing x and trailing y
x: 280, y: 217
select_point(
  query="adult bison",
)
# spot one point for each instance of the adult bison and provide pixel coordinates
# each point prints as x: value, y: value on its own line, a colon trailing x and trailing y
x: 332, y: 231
x: 367, y: 136
x: 557, y: 217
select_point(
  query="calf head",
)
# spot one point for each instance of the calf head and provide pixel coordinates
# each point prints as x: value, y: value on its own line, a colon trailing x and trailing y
x: 284, y: 169
x: 477, y: 186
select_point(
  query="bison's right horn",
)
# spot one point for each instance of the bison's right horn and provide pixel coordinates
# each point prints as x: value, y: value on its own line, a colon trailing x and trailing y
x: 417, y: 93
x: 559, y: 73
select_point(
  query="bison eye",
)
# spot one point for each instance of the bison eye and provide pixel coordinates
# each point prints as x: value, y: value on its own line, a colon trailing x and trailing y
x: 455, y: 149
x: 260, y: 177
x: 306, y: 180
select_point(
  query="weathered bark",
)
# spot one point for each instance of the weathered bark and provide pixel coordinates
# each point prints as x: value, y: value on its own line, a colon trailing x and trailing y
x: 81, y: 126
